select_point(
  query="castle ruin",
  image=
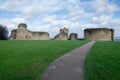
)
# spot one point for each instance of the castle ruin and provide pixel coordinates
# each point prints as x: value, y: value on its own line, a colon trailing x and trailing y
x: 63, y: 35
x: 22, y: 33
x: 102, y: 34
x: 73, y: 36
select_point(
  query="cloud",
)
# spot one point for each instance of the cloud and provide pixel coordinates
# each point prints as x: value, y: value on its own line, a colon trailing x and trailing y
x: 31, y: 8
x: 77, y: 12
x: 53, y: 25
x: 51, y: 15
x: 13, y: 5
x: 101, y: 19
x: 18, y: 20
x: 107, y: 22
x: 104, y: 7
x: 12, y: 23
x: 36, y: 8
x: 113, y: 23
x: 54, y: 22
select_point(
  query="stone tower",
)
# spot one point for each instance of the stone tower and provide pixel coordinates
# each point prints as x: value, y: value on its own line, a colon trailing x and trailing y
x: 22, y: 33
x: 102, y: 34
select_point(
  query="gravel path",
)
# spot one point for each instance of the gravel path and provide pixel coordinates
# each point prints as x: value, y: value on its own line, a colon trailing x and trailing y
x: 70, y: 66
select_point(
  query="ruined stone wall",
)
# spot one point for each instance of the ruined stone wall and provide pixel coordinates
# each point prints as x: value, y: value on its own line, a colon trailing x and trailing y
x: 103, y: 34
x: 63, y: 34
x: 23, y: 34
x: 40, y: 36
x: 65, y: 30
x: 73, y: 36
x: 13, y: 34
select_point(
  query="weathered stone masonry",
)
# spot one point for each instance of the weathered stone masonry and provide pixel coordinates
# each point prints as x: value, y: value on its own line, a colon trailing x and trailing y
x: 63, y: 35
x: 102, y: 34
x: 23, y: 34
x: 73, y: 36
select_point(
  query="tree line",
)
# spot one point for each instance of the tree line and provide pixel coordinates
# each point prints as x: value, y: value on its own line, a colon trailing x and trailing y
x: 3, y: 32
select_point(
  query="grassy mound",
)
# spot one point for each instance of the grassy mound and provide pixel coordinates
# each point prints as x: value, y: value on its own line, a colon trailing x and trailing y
x: 27, y: 60
x: 103, y: 62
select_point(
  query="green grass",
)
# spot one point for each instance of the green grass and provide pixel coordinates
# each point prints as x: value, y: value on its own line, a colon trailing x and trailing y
x: 103, y: 62
x: 27, y: 60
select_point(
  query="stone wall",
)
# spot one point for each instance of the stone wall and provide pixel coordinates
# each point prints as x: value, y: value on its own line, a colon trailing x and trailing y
x: 13, y: 34
x: 73, y: 36
x: 102, y: 34
x: 22, y: 33
x: 63, y: 34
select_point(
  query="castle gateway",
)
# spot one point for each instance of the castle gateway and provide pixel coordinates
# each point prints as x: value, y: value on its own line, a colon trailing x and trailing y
x: 102, y: 34
x: 22, y: 33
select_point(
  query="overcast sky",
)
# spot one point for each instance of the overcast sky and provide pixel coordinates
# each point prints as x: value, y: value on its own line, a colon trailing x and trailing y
x: 52, y: 15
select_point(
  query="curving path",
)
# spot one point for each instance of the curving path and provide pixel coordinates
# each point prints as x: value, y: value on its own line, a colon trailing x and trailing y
x: 70, y: 66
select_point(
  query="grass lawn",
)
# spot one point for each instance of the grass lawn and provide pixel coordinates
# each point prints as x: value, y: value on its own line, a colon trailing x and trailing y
x: 103, y: 62
x: 27, y: 60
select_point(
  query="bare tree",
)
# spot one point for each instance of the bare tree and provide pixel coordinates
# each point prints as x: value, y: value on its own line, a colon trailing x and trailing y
x: 3, y: 32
